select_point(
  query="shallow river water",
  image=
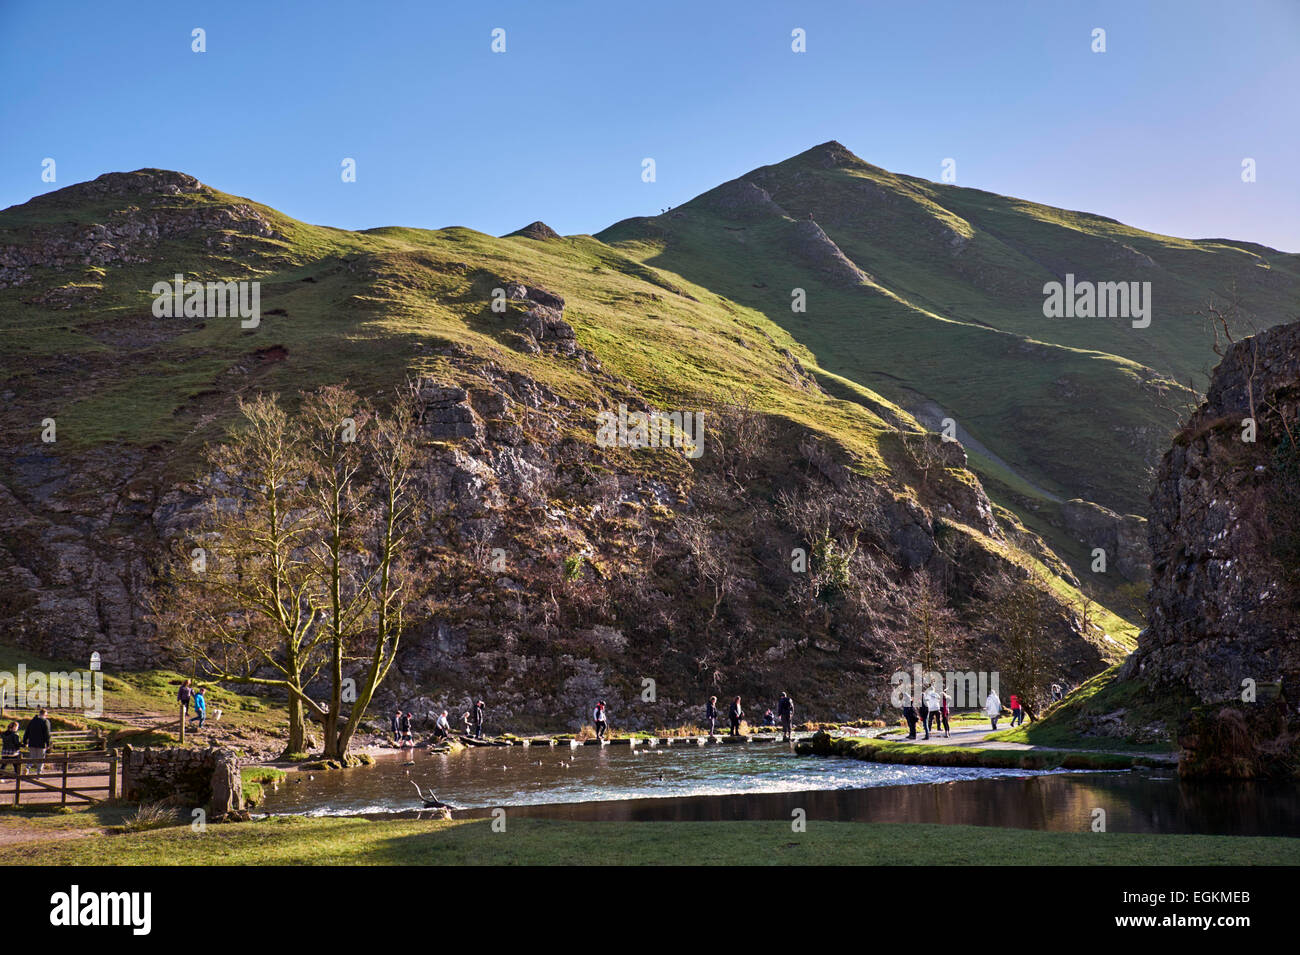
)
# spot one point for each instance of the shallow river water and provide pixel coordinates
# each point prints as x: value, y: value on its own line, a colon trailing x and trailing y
x: 769, y: 781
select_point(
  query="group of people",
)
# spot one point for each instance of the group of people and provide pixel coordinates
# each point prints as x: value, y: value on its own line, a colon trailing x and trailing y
x: 36, y: 738
x: 933, y: 710
x: 993, y: 708
x: 402, y: 725
x: 736, y: 713
x: 191, y: 694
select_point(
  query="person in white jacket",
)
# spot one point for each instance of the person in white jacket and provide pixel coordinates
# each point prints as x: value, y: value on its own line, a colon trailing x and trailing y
x: 993, y: 708
x: 931, y: 699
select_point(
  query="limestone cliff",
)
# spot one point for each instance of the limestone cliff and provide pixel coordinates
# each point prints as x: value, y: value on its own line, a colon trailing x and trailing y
x: 1225, y: 537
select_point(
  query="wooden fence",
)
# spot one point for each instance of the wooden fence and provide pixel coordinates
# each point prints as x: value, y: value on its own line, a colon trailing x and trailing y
x: 58, y: 777
x: 78, y: 740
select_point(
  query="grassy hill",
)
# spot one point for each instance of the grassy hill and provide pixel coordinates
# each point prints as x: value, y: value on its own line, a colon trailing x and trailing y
x: 369, y: 307
x: 687, y: 311
x: 932, y: 295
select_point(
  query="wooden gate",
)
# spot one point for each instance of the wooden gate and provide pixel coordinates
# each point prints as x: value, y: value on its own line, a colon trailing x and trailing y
x: 60, y: 777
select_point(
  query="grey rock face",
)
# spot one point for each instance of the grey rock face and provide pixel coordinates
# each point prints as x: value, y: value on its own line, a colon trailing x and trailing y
x: 1223, y: 596
x: 1123, y: 537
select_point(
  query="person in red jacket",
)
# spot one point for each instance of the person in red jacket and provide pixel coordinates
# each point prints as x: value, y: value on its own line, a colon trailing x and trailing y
x: 1017, y: 714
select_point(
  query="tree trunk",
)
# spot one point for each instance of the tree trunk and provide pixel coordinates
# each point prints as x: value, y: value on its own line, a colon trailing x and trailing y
x: 344, y: 743
x: 297, y: 742
x: 332, y: 746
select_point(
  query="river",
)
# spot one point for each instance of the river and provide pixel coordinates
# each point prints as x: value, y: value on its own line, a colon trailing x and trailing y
x: 769, y: 782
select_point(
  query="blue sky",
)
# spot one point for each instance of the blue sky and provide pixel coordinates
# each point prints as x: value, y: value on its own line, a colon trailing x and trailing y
x: 445, y: 132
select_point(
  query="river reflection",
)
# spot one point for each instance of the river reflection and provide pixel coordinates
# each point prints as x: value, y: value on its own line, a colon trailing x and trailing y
x: 1133, y: 802
x: 769, y: 782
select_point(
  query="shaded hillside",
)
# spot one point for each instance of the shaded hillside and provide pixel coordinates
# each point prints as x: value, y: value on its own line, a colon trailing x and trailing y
x: 618, y: 564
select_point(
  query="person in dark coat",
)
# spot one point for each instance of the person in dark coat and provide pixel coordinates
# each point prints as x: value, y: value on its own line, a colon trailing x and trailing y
x: 37, y: 738
x: 711, y: 715
x: 909, y: 714
x: 736, y: 714
x: 478, y: 719
x: 184, y: 695
x: 785, y: 710
x: 405, y: 726
x: 11, y: 744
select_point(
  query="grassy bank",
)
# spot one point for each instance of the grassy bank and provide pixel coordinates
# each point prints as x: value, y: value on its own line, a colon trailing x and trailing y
x: 138, y: 692
x: 1106, y: 712
x: 299, y: 841
x: 887, y: 751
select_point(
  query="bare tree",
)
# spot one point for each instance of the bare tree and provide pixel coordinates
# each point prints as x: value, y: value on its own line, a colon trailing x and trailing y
x: 742, y: 437
x: 1224, y: 321
x: 310, y: 569
x: 241, y: 602
x: 359, y: 478
x: 1020, y: 615
x: 710, y: 559
x: 923, y: 450
x: 931, y: 634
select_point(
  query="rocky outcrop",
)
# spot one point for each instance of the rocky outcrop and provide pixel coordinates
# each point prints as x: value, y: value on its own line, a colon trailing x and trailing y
x: 1224, y: 616
x: 1122, y: 536
x: 537, y: 230
x: 1223, y: 594
x: 447, y: 412
x: 543, y: 324
x: 144, y: 216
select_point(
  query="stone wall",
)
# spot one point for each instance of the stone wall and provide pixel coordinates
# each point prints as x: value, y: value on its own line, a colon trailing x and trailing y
x: 207, y: 778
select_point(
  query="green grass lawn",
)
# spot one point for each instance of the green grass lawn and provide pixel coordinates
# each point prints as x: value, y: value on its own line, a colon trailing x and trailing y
x: 298, y: 841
